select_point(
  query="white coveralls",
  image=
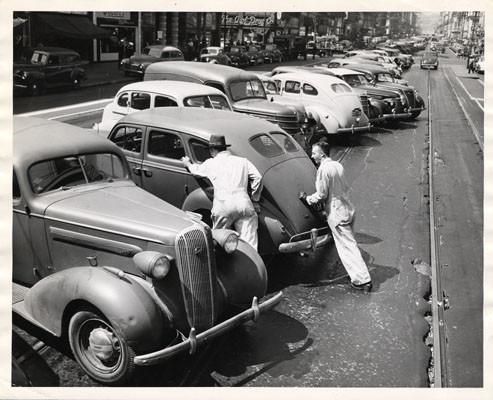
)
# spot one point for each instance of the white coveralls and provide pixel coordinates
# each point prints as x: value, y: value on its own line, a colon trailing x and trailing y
x: 231, y: 175
x: 332, y: 188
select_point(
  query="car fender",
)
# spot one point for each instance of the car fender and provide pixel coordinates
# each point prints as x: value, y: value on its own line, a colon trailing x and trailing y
x: 123, y: 301
x: 199, y: 199
x: 327, y: 117
x: 242, y: 274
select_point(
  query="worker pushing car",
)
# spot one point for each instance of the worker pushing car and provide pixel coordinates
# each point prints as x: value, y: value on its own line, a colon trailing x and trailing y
x: 232, y: 177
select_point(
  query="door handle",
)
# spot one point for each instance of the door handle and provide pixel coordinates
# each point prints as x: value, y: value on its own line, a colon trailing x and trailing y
x: 147, y: 173
x: 137, y: 171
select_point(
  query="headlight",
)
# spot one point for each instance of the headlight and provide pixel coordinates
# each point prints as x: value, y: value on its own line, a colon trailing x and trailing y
x: 389, y: 101
x: 403, y: 99
x: 153, y: 264
x: 226, y: 238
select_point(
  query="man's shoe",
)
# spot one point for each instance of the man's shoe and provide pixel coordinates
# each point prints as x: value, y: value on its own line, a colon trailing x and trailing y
x: 365, y: 287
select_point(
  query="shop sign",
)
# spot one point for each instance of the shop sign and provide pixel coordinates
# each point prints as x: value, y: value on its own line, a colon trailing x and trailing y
x: 247, y: 20
x: 113, y: 15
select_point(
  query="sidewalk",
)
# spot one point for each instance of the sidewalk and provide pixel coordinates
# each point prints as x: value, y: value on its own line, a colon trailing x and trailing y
x: 105, y: 73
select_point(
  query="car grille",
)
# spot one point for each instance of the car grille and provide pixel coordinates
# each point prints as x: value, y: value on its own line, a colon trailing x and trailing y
x: 197, y: 268
x: 411, y: 99
x: 365, y: 104
x: 289, y: 123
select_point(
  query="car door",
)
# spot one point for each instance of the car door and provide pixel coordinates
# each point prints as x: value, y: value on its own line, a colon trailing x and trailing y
x: 53, y: 70
x: 163, y: 172
x: 130, y: 138
x: 24, y: 270
x: 120, y: 108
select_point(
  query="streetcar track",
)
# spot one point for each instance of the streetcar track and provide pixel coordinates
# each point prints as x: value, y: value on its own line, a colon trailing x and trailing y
x: 438, y: 325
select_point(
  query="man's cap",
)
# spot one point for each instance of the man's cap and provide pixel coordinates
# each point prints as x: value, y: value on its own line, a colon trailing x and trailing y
x: 218, y: 141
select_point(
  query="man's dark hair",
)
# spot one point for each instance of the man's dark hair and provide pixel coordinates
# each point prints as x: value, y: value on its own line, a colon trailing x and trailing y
x: 324, y: 146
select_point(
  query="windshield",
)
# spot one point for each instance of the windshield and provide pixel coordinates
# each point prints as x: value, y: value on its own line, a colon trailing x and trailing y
x: 385, y: 78
x: 355, y: 80
x: 215, y: 101
x: 247, y: 90
x: 152, y: 51
x: 208, y: 51
x: 66, y: 172
x: 39, y: 58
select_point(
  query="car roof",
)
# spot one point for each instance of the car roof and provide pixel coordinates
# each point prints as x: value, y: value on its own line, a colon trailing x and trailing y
x: 314, y: 77
x: 174, y: 88
x: 374, y: 69
x: 162, y: 46
x: 202, y: 71
x: 344, y: 71
x: 58, y: 139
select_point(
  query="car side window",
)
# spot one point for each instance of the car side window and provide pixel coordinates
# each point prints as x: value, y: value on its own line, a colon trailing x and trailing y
x: 165, y: 144
x: 161, y: 101
x: 123, y: 100
x: 200, y: 150
x: 128, y: 138
x: 140, y: 101
x: 292, y: 87
x: 216, y: 86
x: 165, y: 54
x: 309, y: 89
x: 53, y: 60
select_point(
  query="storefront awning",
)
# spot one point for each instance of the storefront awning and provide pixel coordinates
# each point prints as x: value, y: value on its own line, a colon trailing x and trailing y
x: 73, y: 26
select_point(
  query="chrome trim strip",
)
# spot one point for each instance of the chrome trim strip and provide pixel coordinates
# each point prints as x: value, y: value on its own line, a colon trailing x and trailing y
x: 82, y: 239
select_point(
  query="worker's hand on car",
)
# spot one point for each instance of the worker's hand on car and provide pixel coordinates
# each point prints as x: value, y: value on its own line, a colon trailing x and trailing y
x: 186, y: 161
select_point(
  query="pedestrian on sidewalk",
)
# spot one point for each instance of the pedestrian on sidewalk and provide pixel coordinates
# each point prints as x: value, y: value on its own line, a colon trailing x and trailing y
x: 332, y: 190
x: 233, y: 178
x: 471, y: 65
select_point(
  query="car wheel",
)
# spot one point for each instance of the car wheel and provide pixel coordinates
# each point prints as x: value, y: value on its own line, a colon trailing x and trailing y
x: 34, y: 89
x: 415, y: 114
x: 76, y: 83
x: 100, y: 349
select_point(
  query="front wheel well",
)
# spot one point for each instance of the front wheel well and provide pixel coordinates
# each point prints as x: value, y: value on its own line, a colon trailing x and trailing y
x: 72, y: 308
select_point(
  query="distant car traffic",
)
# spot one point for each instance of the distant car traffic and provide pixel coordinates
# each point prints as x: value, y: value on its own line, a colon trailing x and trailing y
x: 127, y: 279
x: 153, y: 94
x: 429, y: 60
x: 214, y: 55
x: 137, y: 64
x: 272, y: 54
x: 480, y: 65
x: 165, y: 135
x: 49, y: 67
x: 255, y: 55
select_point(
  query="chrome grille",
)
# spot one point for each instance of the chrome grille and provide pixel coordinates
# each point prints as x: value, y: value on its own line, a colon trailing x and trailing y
x: 365, y: 104
x: 197, y: 268
x: 410, y: 98
x: 289, y: 123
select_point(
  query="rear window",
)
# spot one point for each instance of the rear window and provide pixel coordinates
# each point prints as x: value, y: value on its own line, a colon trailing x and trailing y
x: 338, y: 88
x: 285, y: 141
x: 266, y: 146
x: 292, y: 87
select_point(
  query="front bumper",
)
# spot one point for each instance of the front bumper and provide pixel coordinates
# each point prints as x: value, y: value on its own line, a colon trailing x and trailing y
x: 306, y: 241
x: 396, y: 115
x: 132, y: 69
x: 354, y: 129
x: 195, y: 340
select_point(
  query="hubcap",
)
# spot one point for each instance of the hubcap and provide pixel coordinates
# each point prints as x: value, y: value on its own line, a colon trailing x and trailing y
x: 101, y: 343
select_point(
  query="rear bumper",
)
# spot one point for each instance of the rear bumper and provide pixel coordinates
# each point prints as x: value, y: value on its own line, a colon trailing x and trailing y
x: 354, y: 129
x: 195, y: 340
x: 306, y: 241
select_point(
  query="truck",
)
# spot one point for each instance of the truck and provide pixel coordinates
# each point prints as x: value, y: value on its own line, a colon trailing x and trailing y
x: 291, y: 46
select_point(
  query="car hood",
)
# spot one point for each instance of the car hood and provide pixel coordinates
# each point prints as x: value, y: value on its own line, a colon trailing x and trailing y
x: 125, y: 208
x: 143, y: 58
x: 375, y: 91
x: 261, y: 106
x: 284, y: 187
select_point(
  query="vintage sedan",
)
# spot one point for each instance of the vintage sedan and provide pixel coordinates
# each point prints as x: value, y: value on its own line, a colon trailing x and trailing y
x: 153, y: 94
x: 128, y: 279
x: 238, y: 56
x: 380, y: 77
x: 429, y: 60
x: 272, y: 54
x: 392, y: 103
x: 243, y: 89
x: 49, y: 67
x: 338, y: 108
x: 137, y: 64
x: 165, y: 135
x: 214, y: 55
x: 255, y: 55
